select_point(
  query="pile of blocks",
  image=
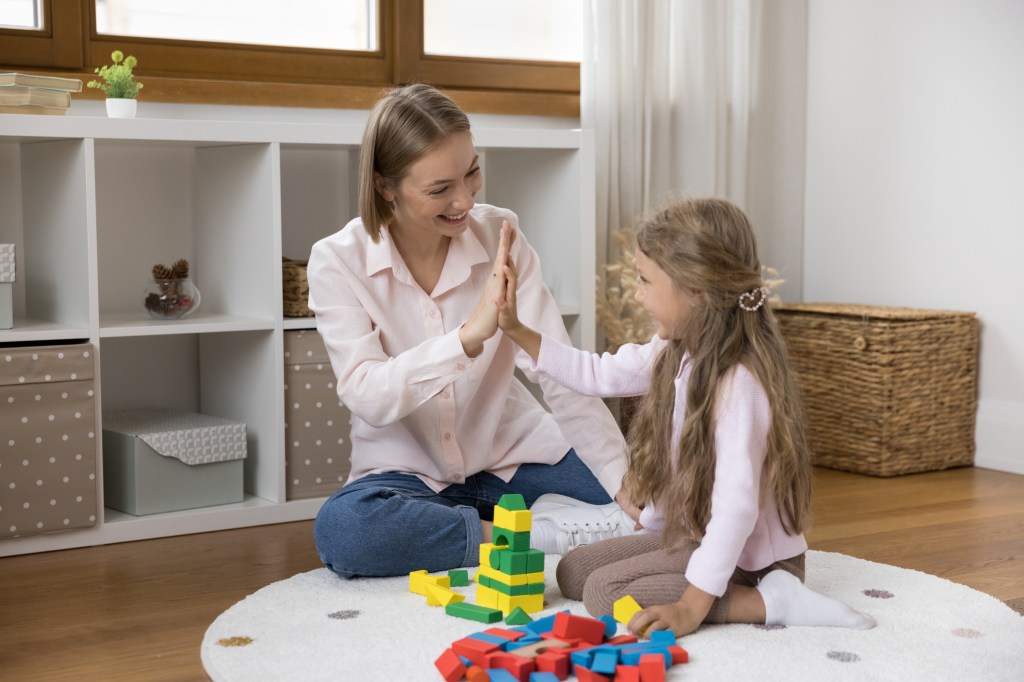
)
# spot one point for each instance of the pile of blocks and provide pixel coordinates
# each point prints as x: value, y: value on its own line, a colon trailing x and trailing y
x: 511, y: 574
x: 552, y: 648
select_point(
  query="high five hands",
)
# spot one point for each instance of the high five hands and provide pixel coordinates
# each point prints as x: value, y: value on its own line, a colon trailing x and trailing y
x: 483, y: 323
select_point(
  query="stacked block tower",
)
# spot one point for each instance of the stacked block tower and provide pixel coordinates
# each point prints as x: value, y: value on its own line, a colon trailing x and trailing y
x: 511, y: 574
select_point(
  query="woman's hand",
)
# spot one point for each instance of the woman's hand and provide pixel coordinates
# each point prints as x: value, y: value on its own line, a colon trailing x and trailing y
x: 483, y: 323
x: 508, y: 316
x: 682, y: 617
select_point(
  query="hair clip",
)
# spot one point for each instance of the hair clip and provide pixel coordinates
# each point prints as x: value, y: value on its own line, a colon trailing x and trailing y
x: 747, y: 303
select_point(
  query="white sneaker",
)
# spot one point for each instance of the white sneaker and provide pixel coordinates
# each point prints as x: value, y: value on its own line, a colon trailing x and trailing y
x: 561, y: 523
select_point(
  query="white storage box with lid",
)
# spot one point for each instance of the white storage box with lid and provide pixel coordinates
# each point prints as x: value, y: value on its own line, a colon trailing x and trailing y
x: 47, y: 439
x: 160, y: 460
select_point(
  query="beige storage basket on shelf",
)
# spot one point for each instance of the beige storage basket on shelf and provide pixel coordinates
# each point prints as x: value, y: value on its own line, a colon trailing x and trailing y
x: 887, y: 391
x: 295, y: 292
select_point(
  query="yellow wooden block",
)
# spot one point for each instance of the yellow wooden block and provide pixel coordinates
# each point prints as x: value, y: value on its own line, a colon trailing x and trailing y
x: 441, y: 596
x: 485, y: 596
x: 485, y: 553
x: 510, y: 580
x: 531, y: 603
x: 418, y: 581
x: 623, y: 609
x: 515, y: 521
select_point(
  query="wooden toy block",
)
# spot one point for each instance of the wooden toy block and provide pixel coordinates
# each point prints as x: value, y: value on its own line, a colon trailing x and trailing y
x: 517, y: 563
x: 515, y: 521
x: 625, y: 638
x: 480, y: 614
x: 518, y: 617
x: 652, y: 668
x: 416, y: 584
x: 477, y: 674
x: 666, y: 637
x: 604, y: 662
x: 582, y: 657
x: 517, y: 665
x: 458, y: 577
x: 627, y: 673
x: 512, y: 590
x: 440, y: 596
x: 510, y: 636
x: 625, y: 608
x: 632, y: 653
x: 588, y: 675
x: 450, y: 666
x: 500, y: 675
x: 535, y: 561
x: 609, y: 626
x: 535, y: 649
x: 485, y: 555
x: 551, y: 662
x: 512, y: 502
x: 476, y: 650
x: 544, y: 624
x: 517, y: 541
x: 543, y: 677
x: 511, y: 580
x: 500, y: 642
x: 486, y: 596
x: 531, y: 603
x: 569, y: 626
x: 679, y: 654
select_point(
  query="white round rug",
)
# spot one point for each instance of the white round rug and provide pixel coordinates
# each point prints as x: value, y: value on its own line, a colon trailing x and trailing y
x: 316, y: 626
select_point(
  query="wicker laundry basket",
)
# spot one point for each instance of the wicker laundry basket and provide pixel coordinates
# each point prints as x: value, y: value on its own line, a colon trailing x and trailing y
x: 295, y: 291
x: 887, y: 391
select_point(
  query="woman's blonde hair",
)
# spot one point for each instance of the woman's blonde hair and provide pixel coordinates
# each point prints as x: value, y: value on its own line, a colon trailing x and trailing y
x: 707, y: 245
x: 405, y: 123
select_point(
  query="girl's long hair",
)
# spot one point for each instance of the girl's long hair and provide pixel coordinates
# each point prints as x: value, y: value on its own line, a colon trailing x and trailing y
x: 708, y: 245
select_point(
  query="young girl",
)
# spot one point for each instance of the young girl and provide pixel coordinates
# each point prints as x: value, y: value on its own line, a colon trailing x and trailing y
x: 717, y: 447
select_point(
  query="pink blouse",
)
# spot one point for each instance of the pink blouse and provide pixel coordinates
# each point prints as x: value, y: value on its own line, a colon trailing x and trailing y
x: 744, y: 530
x: 419, y: 404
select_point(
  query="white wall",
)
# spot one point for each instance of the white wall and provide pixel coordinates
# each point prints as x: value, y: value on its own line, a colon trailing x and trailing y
x: 915, y: 168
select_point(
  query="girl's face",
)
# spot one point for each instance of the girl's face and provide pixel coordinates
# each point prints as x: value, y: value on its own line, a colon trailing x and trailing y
x: 669, y: 307
x: 438, y: 190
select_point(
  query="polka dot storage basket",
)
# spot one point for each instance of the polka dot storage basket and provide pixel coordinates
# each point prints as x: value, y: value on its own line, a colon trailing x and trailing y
x: 48, y: 439
x: 887, y: 391
x: 317, y: 425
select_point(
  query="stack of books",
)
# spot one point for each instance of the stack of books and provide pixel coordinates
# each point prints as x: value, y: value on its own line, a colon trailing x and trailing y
x: 22, y: 93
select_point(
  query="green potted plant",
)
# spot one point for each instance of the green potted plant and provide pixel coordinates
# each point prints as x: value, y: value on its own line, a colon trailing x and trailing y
x: 119, y: 84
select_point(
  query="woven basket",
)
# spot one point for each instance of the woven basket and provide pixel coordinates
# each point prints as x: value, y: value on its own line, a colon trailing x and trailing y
x: 887, y: 391
x: 295, y: 291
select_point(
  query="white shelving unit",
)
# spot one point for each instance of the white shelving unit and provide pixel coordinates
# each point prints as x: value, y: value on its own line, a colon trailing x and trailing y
x: 92, y: 203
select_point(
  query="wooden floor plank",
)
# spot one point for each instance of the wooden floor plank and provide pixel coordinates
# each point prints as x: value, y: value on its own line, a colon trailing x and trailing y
x: 138, y: 611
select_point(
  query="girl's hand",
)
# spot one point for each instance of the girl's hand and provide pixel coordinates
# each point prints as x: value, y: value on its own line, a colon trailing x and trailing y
x: 682, y: 617
x: 508, y: 316
x: 483, y: 323
x: 633, y: 511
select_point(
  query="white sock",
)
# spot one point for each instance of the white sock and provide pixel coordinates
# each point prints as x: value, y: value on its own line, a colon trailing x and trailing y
x: 787, y: 601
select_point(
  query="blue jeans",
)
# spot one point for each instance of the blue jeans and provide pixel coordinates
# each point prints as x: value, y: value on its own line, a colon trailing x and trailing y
x: 392, y: 524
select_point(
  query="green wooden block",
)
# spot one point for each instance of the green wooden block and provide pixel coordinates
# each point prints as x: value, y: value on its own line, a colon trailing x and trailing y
x: 512, y: 502
x: 458, y: 577
x: 510, y: 562
x: 512, y: 590
x: 518, y: 617
x: 535, y: 561
x: 480, y: 614
x: 517, y: 542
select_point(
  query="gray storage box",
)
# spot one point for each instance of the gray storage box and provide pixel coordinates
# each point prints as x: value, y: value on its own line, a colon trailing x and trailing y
x: 158, y: 460
x: 317, y: 425
x: 7, y: 276
x: 47, y: 439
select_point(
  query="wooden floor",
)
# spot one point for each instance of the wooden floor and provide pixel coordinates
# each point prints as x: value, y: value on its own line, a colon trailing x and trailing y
x: 138, y: 611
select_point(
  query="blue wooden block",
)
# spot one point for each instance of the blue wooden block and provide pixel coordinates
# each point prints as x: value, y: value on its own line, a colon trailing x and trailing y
x: 501, y: 675
x: 663, y: 636
x: 631, y: 654
x: 543, y: 677
x: 582, y: 657
x: 604, y: 662
x: 610, y: 626
x: 490, y: 639
x: 542, y: 625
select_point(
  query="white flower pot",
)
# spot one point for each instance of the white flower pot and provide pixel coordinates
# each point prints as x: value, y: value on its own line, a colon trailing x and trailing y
x: 119, y: 107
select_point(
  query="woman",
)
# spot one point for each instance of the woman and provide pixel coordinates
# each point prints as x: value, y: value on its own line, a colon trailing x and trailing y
x: 405, y: 299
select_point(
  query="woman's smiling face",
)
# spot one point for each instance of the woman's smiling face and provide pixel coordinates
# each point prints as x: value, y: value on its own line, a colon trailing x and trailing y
x: 438, y: 190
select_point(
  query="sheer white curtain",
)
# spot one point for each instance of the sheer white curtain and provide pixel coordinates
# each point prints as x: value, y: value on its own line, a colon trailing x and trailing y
x: 699, y: 97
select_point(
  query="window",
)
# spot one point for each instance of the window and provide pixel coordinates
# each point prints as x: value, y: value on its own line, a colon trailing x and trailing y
x: 332, y: 53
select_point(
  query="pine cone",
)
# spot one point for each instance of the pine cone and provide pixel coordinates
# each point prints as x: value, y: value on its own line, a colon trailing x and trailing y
x: 180, y: 269
x: 162, y: 272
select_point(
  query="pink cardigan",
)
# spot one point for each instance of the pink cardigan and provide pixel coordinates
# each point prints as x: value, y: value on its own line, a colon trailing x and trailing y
x: 743, y: 531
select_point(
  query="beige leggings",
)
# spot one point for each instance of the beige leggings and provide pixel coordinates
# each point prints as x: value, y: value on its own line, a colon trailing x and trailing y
x: 639, y: 566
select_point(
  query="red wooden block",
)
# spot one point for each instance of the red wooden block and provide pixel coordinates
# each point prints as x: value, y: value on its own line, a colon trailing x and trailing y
x: 623, y: 639
x: 572, y: 641
x: 475, y: 650
x: 450, y: 666
x: 679, y: 654
x: 551, y: 662
x: 510, y: 635
x: 652, y: 668
x: 517, y: 665
x: 587, y: 675
x: 627, y: 673
x: 580, y: 627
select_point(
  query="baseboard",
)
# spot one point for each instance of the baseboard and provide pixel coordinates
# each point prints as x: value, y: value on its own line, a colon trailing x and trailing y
x: 999, y: 436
